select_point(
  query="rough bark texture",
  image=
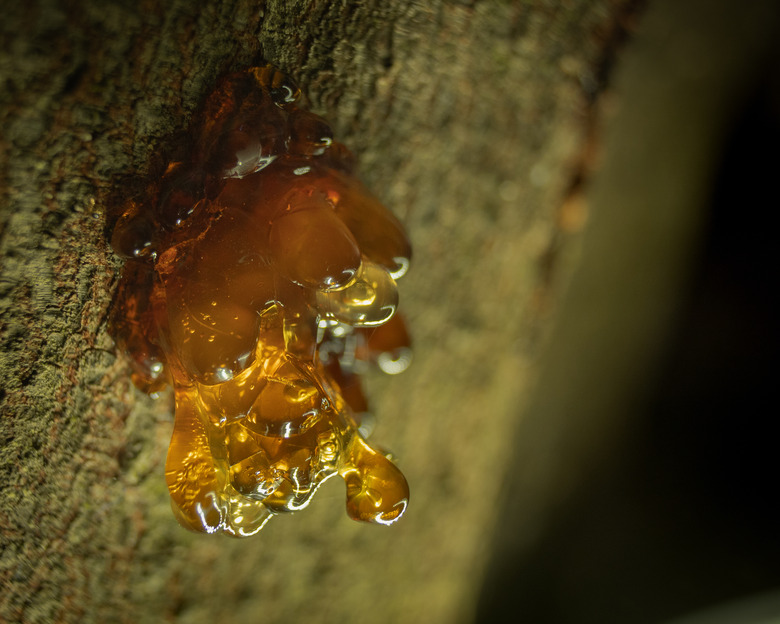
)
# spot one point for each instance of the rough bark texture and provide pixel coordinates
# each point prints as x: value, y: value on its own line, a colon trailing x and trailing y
x: 466, y: 119
x: 469, y: 121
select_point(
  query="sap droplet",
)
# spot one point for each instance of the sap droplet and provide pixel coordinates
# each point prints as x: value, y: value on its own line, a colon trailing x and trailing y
x: 394, y: 362
x: 254, y: 258
x: 370, y: 299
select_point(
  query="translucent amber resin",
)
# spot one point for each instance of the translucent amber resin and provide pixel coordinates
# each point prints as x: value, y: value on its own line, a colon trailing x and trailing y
x: 260, y: 278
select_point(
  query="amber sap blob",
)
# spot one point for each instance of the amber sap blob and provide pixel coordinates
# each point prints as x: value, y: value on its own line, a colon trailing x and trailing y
x: 259, y: 282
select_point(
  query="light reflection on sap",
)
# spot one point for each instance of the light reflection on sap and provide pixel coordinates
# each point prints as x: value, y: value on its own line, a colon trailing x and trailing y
x: 260, y: 281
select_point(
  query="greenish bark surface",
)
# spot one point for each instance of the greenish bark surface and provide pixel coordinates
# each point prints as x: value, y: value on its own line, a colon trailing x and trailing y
x: 468, y: 120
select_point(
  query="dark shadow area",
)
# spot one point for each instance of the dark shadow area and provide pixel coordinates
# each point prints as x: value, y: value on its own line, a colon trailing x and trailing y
x: 687, y: 514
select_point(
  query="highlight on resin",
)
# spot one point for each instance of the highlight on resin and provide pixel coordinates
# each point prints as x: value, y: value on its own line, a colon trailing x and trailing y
x: 260, y: 281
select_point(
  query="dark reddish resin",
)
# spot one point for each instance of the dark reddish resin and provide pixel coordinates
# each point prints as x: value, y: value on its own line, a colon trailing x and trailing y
x: 260, y: 277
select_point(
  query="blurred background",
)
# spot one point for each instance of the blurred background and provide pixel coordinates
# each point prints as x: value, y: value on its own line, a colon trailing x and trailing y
x: 666, y: 444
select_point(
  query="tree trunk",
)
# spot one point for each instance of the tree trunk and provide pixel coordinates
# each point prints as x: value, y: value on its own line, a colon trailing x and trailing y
x: 469, y: 119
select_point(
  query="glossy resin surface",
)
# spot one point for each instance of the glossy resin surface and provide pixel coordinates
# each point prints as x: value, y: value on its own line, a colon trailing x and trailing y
x: 259, y: 281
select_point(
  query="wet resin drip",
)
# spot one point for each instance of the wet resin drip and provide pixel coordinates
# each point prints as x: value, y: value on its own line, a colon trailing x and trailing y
x: 259, y: 281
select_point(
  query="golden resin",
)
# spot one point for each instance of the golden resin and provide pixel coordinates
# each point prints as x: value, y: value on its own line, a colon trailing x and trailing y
x: 260, y: 277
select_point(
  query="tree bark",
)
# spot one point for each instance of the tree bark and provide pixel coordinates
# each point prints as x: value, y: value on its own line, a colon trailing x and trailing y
x: 469, y: 120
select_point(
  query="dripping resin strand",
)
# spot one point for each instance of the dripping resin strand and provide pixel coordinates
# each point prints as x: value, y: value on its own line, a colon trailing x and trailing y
x: 260, y: 276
